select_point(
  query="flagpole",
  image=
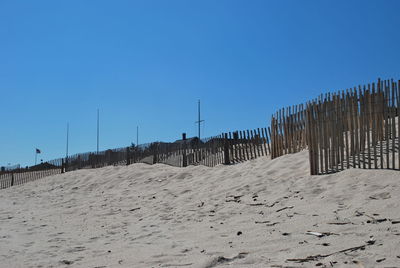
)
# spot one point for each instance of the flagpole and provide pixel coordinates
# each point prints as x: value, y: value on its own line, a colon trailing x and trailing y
x: 66, y: 155
x: 97, y: 131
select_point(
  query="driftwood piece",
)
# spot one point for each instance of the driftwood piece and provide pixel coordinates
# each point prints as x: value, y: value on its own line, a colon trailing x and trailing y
x: 289, y: 207
x: 319, y: 256
x: 262, y: 221
x: 273, y: 204
x: 258, y: 204
x: 320, y: 234
x: 339, y: 223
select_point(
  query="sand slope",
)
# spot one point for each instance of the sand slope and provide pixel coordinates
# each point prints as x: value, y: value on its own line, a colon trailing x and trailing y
x: 254, y: 214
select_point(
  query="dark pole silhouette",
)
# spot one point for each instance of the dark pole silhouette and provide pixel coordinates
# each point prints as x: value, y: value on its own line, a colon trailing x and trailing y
x: 199, y: 120
x: 66, y: 155
x: 97, y: 131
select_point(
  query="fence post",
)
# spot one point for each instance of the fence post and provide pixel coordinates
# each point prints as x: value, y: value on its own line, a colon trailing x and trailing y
x: 128, y: 159
x: 226, y: 149
x: 62, y: 165
x: 310, y: 141
x: 12, y: 178
x: 155, y: 158
x: 184, y: 157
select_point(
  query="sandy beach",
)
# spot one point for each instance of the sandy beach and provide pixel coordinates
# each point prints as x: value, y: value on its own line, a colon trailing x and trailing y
x: 261, y: 213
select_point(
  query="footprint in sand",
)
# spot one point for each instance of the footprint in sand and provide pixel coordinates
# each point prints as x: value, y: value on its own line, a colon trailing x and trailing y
x: 75, y: 249
x: 380, y: 196
x: 29, y: 244
x: 216, y: 261
x: 92, y: 239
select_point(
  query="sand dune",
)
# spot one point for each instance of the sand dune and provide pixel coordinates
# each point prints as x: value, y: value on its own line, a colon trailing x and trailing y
x: 261, y: 213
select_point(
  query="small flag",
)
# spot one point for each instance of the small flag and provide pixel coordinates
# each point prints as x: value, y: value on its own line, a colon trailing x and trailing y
x: 38, y: 151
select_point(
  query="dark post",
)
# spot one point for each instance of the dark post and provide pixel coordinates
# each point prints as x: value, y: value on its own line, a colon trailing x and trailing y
x: 62, y: 166
x: 128, y: 159
x: 98, y: 137
x: 66, y: 164
x: 184, y: 157
x: 226, y: 149
x: 66, y: 154
x: 155, y: 158
x: 12, y: 178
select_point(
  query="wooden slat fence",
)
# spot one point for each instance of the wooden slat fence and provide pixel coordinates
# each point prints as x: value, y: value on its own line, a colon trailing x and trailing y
x: 19, y: 175
x: 357, y: 128
x: 353, y: 128
x: 288, y: 131
x: 227, y: 148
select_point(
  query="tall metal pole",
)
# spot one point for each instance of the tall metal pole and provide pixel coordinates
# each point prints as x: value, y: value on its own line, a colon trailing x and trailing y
x: 199, y: 120
x: 97, y: 131
x: 66, y: 155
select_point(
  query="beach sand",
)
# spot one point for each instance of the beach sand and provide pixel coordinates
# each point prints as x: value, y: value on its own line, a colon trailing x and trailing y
x: 254, y: 214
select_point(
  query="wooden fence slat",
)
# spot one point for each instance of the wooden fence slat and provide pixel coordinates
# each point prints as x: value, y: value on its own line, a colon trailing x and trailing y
x: 362, y: 126
x: 231, y: 148
x: 320, y: 142
x: 246, y: 145
x: 267, y: 140
x: 262, y: 142
x: 380, y: 108
x: 249, y: 143
x: 393, y: 117
x: 398, y: 122
x: 387, y: 122
x: 309, y: 126
x: 368, y: 123
x: 256, y: 141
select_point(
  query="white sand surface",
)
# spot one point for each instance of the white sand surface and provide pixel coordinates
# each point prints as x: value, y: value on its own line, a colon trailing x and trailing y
x: 253, y: 214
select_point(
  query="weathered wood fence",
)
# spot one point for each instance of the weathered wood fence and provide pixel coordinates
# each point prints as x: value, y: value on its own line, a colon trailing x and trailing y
x: 357, y: 127
x: 20, y: 175
x: 227, y: 148
x: 288, y: 131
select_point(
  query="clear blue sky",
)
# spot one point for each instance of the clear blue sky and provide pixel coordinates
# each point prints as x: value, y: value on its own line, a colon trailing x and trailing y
x: 147, y: 63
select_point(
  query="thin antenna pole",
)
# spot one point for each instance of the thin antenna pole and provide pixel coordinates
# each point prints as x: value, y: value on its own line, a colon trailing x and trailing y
x: 97, y: 131
x: 66, y: 155
x: 199, y: 119
x: 137, y: 136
